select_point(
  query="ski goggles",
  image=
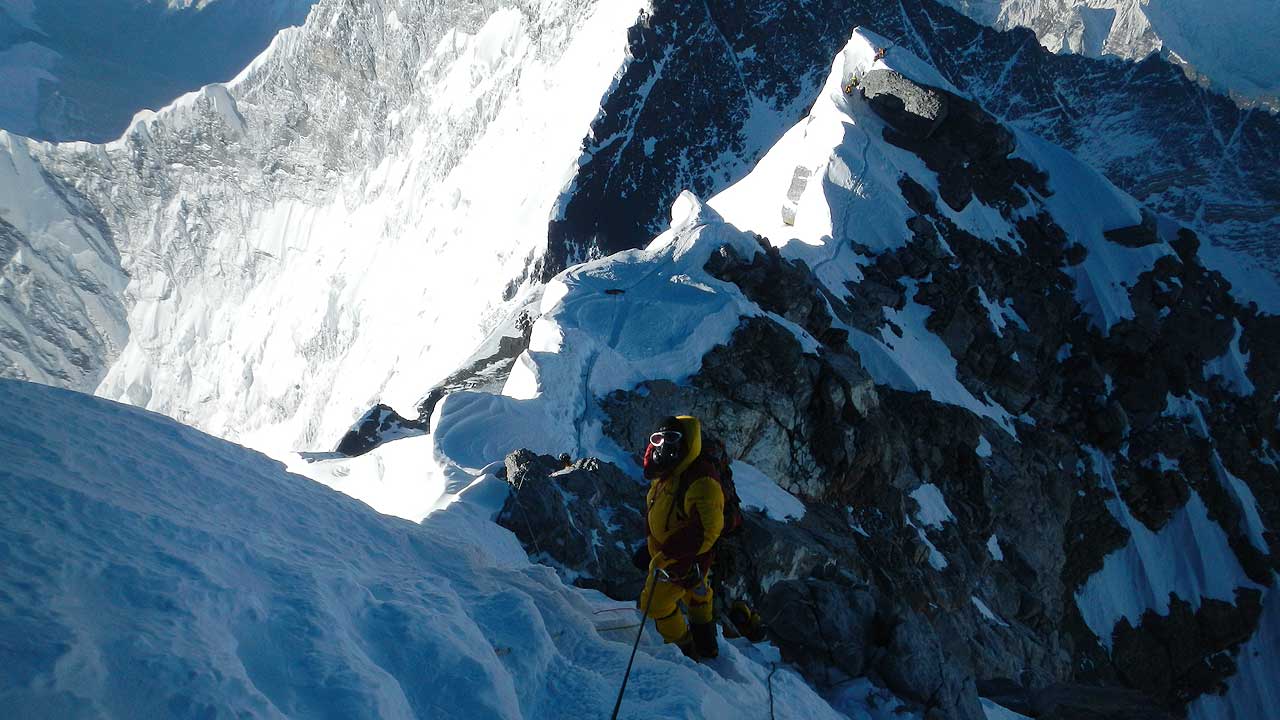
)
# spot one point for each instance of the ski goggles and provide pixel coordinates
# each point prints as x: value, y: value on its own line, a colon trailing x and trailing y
x: 658, y: 438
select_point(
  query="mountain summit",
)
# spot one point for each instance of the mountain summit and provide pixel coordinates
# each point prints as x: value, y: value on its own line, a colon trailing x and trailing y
x: 996, y: 380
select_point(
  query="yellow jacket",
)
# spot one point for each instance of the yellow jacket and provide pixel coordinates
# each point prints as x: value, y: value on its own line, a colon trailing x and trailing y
x: 686, y: 534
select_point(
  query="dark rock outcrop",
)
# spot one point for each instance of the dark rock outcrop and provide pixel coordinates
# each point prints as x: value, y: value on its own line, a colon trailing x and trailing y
x: 585, y: 520
x: 380, y: 424
x: 1066, y: 701
x: 914, y: 110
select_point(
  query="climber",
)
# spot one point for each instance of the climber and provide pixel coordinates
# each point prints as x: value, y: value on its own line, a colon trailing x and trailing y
x: 684, y: 519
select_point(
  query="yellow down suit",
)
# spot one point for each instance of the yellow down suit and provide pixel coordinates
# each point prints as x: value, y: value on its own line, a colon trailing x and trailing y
x: 684, y: 532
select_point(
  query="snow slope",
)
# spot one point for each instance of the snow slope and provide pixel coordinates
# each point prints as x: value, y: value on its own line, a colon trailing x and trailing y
x: 1189, y: 557
x: 80, y: 69
x: 1233, y: 43
x: 303, y: 241
x: 154, y: 571
x: 61, y: 281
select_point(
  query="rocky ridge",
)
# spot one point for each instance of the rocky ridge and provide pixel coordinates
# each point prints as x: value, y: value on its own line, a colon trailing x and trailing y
x: 709, y: 91
x: 1120, y: 431
x: 214, y: 201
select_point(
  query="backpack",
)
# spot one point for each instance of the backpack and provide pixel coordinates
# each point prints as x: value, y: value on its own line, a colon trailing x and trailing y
x: 716, y: 455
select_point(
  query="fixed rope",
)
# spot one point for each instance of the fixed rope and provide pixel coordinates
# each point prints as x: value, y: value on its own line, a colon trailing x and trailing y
x: 644, y: 617
x: 770, y: 683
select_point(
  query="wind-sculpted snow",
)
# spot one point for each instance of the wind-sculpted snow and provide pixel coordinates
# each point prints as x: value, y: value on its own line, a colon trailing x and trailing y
x: 1189, y: 558
x: 1253, y: 692
x: 604, y: 325
x: 153, y: 571
x: 81, y: 69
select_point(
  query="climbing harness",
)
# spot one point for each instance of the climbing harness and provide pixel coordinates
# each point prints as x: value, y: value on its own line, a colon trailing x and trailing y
x: 648, y: 599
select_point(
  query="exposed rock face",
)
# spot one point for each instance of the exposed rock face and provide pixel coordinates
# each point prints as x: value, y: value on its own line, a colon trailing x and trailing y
x: 912, y: 109
x: 1167, y: 656
x: 821, y: 623
x: 380, y: 424
x: 585, y: 519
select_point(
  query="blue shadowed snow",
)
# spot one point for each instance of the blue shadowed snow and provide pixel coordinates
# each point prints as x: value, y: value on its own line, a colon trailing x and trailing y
x: 150, y: 570
x: 1189, y: 557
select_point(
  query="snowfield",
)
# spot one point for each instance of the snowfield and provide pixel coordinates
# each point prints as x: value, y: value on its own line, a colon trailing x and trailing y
x: 154, y: 571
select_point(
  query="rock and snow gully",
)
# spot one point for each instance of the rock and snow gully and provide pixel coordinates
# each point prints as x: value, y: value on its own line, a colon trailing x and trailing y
x: 1006, y: 435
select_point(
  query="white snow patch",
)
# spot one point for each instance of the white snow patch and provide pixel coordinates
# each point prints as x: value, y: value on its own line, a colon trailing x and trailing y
x: 1164, y: 463
x: 606, y: 325
x: 993, y: 548
x: 860, y: 699
x: 918, y: 360
x: 1232, y: 366
x: 933, y: 510
x: 1187, y: 408
x: 1086, y: 205
x: 986, y: 611
x: 984, y: 447
x: 1245, y: 500
x: 1001, y: 314
x: 397, y: 478
x: 1252, y: 692
x: 936, y: 559
x: 995, y: 711
x: 759, y: 491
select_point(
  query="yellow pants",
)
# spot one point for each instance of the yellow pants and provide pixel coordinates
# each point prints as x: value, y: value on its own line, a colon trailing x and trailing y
x: 665, y: 608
